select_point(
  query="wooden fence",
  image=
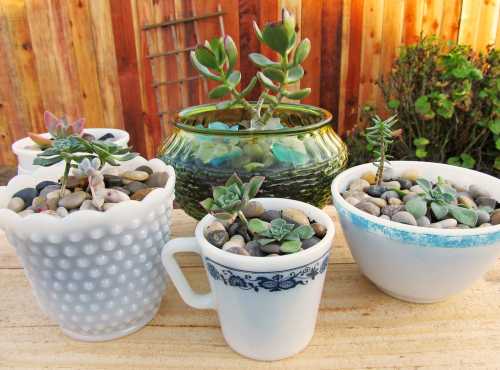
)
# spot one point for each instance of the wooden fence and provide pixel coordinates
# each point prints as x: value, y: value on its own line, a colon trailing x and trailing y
x: 96, y: 58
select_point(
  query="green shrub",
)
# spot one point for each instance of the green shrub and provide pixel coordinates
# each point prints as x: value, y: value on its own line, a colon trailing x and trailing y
x: 447, y: 98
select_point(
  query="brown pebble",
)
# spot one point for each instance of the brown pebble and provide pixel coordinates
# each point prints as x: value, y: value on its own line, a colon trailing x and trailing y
x: 319, y: 229
x: 141, y: 194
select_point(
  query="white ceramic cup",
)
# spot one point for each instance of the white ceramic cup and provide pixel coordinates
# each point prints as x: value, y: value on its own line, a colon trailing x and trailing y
x: 267, y: 306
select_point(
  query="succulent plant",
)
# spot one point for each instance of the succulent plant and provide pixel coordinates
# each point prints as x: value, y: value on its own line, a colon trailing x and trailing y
x: 288, y: 235
x: 74, y: 149
x: 442, y: 198
x: 229, y: 200
x: 58, y: 128
x: 216, y: 61
x: 379, y: 136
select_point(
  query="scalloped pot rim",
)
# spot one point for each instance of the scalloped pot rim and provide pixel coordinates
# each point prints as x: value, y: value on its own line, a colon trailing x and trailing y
x: 7, y: 217
x: 425, y: 236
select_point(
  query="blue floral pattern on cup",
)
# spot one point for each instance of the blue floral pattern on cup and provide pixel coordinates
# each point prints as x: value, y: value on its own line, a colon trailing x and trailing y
x: 274, y: 281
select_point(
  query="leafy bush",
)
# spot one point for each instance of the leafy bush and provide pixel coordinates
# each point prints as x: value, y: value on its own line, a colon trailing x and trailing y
x: 447, y: 98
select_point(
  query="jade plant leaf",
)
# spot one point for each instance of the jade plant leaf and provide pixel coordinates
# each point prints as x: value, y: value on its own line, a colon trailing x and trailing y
x: 261, y: 60
x: 302, y: 51
x: 295, y: 74
x: 231, y: 52
x: 299, y: 94
x: 275, y: 36
x: 206, y: 57
x: 274, y: 74
x: 218, y: 92
x: 291, y: 246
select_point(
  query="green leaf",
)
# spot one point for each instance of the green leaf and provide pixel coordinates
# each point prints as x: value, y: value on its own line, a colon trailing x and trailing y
x: 393, y: 104
x: 299, y: 94
x: 440, y: 211
x: 424, y: 184
x: 271, y: 99
x: 274, y: 74
x: 224, y: 216
x: 295, y: 74
x: 201, y: 68
x: 234, y: 78
x: 218, y: 92
x: 276, y: 37
x: 231, y: 52
x: 291, y: 246
x: 497, y: 163
x: 206, y: 57
x: 265, y: 241
x: 421, y: 141
x: 217, y: 46
x: 253, y: 186
x: 467, y: 160
x: 46, y: 162
x: 464, y: 215
x: 495, y: 126
x: 267, y: 82
x: 257, y: 226
x: 417, y: 207
x: 445, y: 108
x: 289, y: 23
x: 207, y: 204
x: 249, y: 87
x: 302, y: 51
x: 497, y: 143
x: 454, y: 161
x: 304, y: 232
x: 226, y: 104
x: 258, y: 32
x: 261, y: 60
x: 234, y: 179
x: 422, y: 105
x: 421, y: 153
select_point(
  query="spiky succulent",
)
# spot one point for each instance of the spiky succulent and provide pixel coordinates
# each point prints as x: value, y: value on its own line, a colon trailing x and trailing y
x: 442, y: 198
x: 229, y: 200
x: 279, y: 231
x: 58, y: 128
x: 216, y: 61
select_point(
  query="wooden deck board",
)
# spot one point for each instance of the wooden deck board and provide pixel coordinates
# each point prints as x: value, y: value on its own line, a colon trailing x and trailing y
x: 358, y: 327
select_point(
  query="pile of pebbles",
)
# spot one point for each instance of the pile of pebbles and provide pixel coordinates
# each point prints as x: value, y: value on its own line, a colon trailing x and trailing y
x: 45, y: 196
x: 388, y: 201
x: 236, y: 238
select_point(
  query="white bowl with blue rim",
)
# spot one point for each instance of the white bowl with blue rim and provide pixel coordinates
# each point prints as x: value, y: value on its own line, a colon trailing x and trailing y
x: 413, y: 263
x: 267, y: 306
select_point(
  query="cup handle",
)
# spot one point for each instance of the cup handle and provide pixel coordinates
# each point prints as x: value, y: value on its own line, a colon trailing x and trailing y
x: 193, y: 299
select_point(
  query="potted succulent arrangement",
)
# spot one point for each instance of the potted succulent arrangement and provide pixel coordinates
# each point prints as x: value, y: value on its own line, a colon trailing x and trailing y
x: 29, y: 147
x: 90, y: 241
x: 294, y: 146
x: 420, y: 231
x: 236, y: 240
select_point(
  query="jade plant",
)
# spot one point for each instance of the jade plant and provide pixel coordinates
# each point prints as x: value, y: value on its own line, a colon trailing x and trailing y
x: 230, y: 200
x: 379, y: 137
x: 75, y: 149
x: 216, y: 60
x: 287, y: 235
x: 443, y: 201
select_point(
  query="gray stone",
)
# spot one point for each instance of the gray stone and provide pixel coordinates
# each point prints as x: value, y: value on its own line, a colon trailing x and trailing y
x: 358, y: 185
x: 447, y: 223
x: 237, y: 250
x: 135, y: 175
x: 385, y: 217
x: 379, y: 202
x: 409, y: 196
x: 39, y: 204
x: 423, y: 221
x: 112, y: 181
x: 235, y: 241
x: 271, y: 248
x: 404, y: 217
x: 157, y: 180
x: 270, y: 215
x: 486, y: 202
x: 42, y: 185
x: 56, y: 194
x: 466, y: 201
x: 416, y: 189
x: 26, y: 194
x: 360, y: 195
x: 62, y: 212
x: 49, y: 189
x: 319, y: 229
x: 53, y: 204
x: 389, y: 194
x: 482, y: 217
x: 253, y: 248
x: 216, y: 234
x: 392, y: 210
x: 404, y: 183
x: 395, y: 201
x: 376, y: 190
x: 295, y: 215
x: 390, y: 185
x: 73, y: 200
x: 369, y: 207
x: 353, y: 201
x: 135, y: 186
x: 145, y: 169
x: 308, y: 243
x: 253, y: 209
x: 16, y: 204
x: 123, y: 190
x: 476, y: 191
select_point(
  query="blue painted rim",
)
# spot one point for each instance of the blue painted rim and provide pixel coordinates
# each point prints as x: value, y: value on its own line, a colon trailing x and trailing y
x: 419, y: 239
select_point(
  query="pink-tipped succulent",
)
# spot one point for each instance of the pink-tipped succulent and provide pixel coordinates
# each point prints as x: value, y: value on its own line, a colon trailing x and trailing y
x: 57, y: 128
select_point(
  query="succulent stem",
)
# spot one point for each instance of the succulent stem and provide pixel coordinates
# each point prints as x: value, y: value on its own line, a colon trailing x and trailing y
x: 64, y: 180
x: 243, y: 218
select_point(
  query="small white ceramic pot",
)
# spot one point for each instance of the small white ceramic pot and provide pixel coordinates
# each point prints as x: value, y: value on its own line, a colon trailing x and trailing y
x: 267, y: 306
x: 412, y: 263
x: 97, y: 274
x: 26, y: 151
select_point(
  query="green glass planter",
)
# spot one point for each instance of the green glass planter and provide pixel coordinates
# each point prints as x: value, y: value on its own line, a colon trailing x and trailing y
x: 298, y: 161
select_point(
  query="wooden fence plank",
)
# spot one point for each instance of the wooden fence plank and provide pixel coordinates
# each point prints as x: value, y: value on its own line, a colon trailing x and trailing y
x: 451, y: 20
x: 432, y: 17
x: 313, y: 69
x: 344, y: 63
x: 412, y: 20
x: 469, y: 22
x: 488, y: 23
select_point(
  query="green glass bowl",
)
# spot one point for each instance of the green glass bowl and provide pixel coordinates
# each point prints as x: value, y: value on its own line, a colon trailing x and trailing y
x: 298, y: 161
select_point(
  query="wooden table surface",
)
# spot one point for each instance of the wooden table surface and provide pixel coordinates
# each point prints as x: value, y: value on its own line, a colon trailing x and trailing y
x: 358, y: 326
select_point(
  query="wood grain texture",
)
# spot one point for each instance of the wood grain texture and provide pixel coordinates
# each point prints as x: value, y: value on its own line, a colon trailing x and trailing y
x: 358, y: 327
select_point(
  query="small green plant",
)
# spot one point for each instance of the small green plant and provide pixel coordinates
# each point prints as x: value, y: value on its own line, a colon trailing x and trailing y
x: 379, y: 136
x: 58, y: 128
x: 443, y: 198
x: 279, y: 231
x: 74, y: 149
x: 229, y: 200
x: 216, y: 61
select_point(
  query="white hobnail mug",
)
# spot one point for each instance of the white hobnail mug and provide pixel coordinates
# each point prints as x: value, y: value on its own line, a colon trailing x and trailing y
x: 97, y: 274
x: 267, y: 306
x: 413, y: 263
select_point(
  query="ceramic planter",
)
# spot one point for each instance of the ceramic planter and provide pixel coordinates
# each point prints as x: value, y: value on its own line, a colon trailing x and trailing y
x: 267, y: 306
x: 98, y: 275
x: 414, y: 263
x: 298, y: 163
x: 25, y: 152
